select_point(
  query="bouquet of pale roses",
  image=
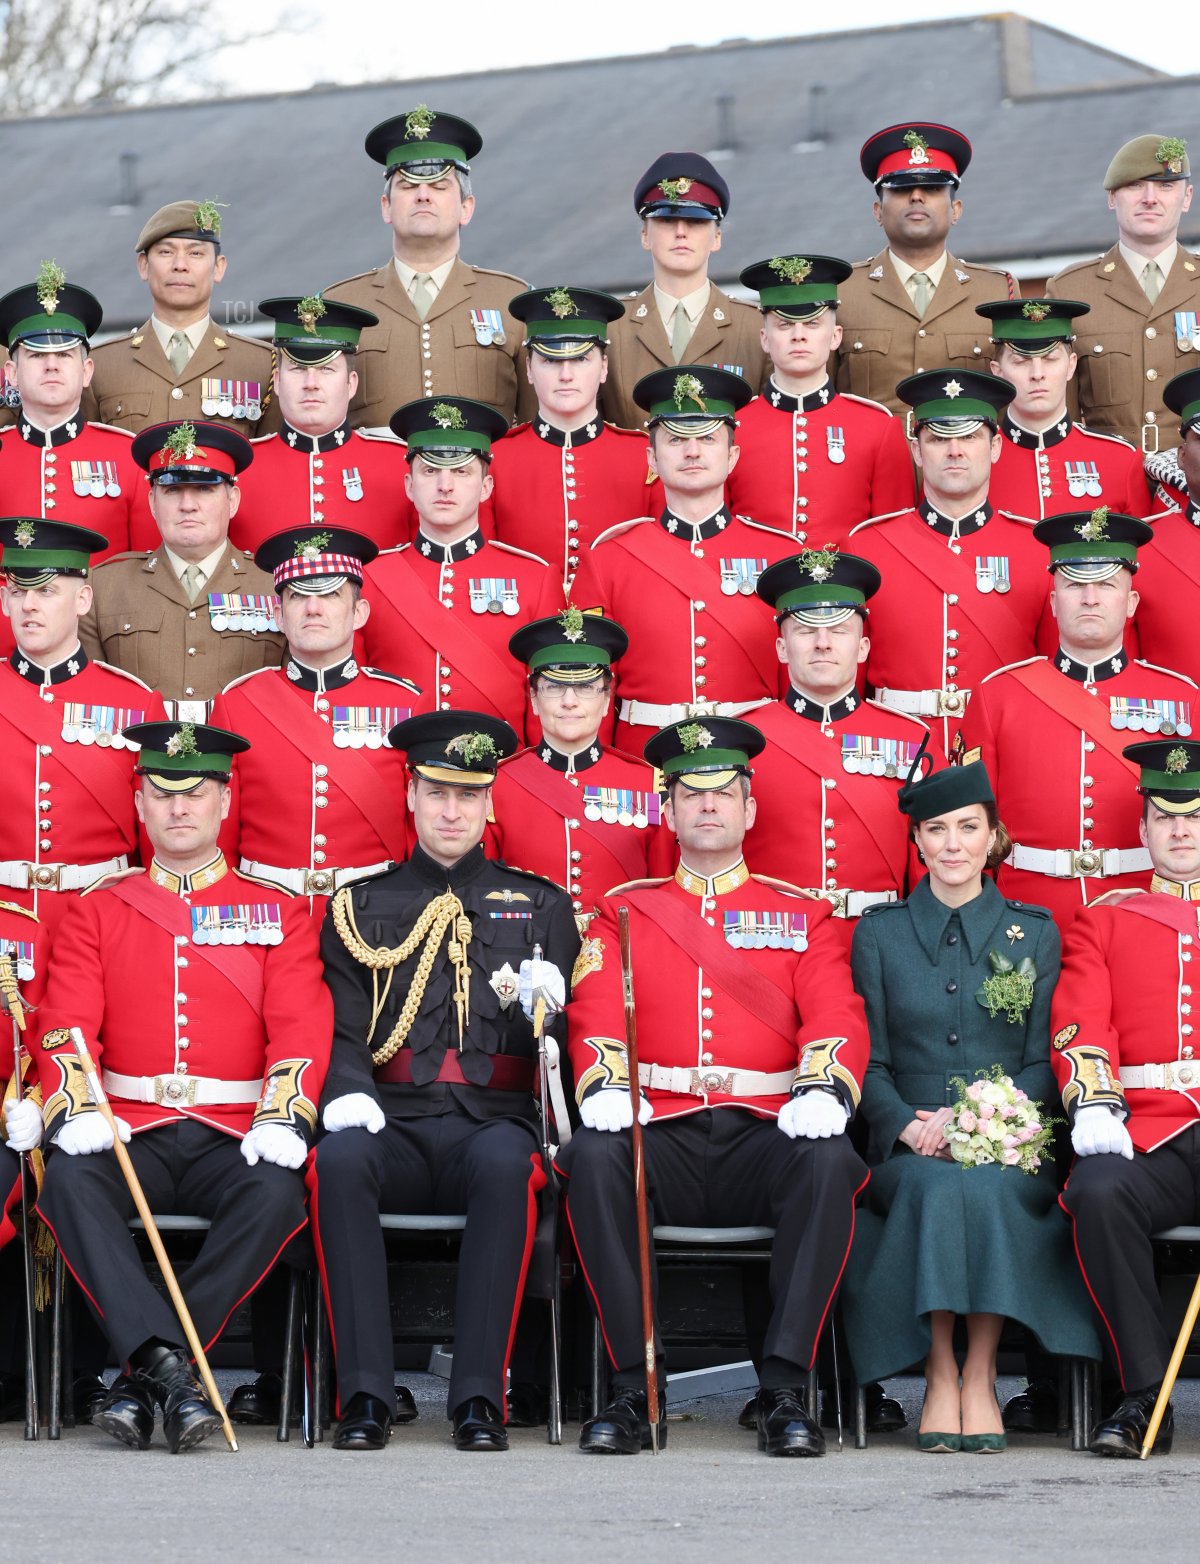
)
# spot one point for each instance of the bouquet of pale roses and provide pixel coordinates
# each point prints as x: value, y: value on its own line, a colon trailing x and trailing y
x: 994, y: 1122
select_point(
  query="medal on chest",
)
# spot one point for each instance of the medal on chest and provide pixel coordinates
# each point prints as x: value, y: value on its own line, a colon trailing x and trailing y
x: 231, y: 399
x: 238, y: 923
x: 488, y: 326
x: 243, y: 611
x: 867, y: 757
x: 766, y: 930
x: 352, y: 483
x: 740, y: 576
x: 100, y: 725
x: 991, y: 573
x: 494, y: 595
x: 1139, y: 714
x: 95, y: 480
x: 1083, y: 478
x: 21, y: 956
x: 835, y: 444
x: 366, y: 727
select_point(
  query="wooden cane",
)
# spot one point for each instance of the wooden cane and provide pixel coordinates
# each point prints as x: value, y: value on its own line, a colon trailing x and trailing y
x: 160, y: 1254
x: 15, y: 1006
x: 1173, y: 1367
x: 639, y: 1180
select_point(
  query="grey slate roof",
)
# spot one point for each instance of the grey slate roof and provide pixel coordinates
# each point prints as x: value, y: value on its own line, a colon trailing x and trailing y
x: 565, y: 143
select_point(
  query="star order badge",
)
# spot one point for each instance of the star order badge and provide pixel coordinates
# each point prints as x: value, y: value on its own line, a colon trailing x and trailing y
x: 952, y: 389
x: 506, y: 985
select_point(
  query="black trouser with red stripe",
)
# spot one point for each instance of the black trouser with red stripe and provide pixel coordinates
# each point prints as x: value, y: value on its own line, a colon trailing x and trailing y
x: 448, y: 1164
x: 1115, y: 1205
x: 722, y: 1167
x: 185, y: 1169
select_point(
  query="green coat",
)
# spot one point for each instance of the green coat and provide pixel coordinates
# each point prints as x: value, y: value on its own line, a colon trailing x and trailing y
x: 931, y: 1234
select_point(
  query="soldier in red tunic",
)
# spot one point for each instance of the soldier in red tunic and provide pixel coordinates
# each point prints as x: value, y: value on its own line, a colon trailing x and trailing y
x: 815, y: 461
x: 443, y: 607
x: 217, y: 1085
x: 682, y: 582
x: 1124, y: 1054
x: 826, y: 783
x: 748, y: 1025
x: 1048, y: 462
x: 317, y: 470
x: 1170, y: 574
x: 566, y: 476
x: 964, y: 587
x: 66, y: 787
x: 570, y: 807
x: 1052, y: 730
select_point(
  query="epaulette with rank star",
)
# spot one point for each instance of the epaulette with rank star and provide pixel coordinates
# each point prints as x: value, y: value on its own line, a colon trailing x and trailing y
x: 25, y: 912
x: 105, y: 880
x: 267, y: 885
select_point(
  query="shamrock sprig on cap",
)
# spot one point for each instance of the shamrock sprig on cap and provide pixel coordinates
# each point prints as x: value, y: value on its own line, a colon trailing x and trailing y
x: 1095, y: 528
x: 418, y: 123
x: 915, y: 141
x: 1170, y: 153
x: 1034, y: 309
x: 473, y: 747
x: 310, y: 548
x: 180, y: 444
x: 1177, y: 761
x: 50, y: 279
x: 819, y: 562
x: 310, y: 310
x: 561, y: 303
x: 571, y: 620
x: 693, y: 736
x: 24, y: 533
x: 183, y: 743
x: 674, y: 188
x: 689, y: 389
x: 447, y: 417
x: 207, y: 217
x: 792, y: 268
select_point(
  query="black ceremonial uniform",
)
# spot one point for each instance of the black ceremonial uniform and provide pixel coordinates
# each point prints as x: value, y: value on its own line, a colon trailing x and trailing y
x: 461, y: 1132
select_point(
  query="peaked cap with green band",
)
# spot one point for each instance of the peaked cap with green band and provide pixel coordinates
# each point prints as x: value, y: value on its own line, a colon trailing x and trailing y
x: 565, y: 322
x: 798, y: 287
x: 49, y: 314
x: 704, y: 753
x: 570, y: 647
x: 818, y: 586
x: 448, y: 430
x: 462, y: 748
x: 34, y: 550
x: 692, y: 398
x: 1169, y: 773
x: 1182, y: 395
x: 312, y: 329
x: 425, y: 143
x: 955, y: 396
x: 179, y: 756
x: 1032, y: 326
x: 1092, y: 545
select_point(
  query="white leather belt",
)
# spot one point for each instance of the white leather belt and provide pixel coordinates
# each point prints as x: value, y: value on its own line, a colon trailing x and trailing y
x: 1181, y: 1077
x: 23, y: 876
x: 175, y: 1091
x: 1064, y: 863
x: 644, y: 714
x: 714, y: 1078
x: 310, y: 882
x: 926, y: 703
x: 852, y: 904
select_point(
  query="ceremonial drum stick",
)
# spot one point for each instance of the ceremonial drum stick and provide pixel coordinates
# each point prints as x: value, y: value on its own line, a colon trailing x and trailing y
x: 639, y: 1180
x: 1173, y: 1367
x: 160, y: 1254
x: 15, y: 1006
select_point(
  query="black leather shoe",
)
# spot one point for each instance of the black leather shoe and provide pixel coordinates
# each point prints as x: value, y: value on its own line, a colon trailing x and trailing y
x: 257, y: 1404
x: 885, y: 1415
x: 623, y: 1428
x: 784, y: 1426
x: 127, y: 1412
x: 1033, y: 1410
x: 364, y: 1425
x: 528, y: 1405
x: 406, y: 1405
x: 189, y: 1417
x: 478, y: 1425
x: 1122, y: 1433
x: 88, y: 1394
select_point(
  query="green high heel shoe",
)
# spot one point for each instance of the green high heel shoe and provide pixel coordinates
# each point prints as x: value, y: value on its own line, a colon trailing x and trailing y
x: 940, y: 1444
x: 984, y: 1444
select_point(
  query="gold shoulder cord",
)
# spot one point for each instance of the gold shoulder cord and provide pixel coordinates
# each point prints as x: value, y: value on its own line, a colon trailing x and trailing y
x: 435, y: 921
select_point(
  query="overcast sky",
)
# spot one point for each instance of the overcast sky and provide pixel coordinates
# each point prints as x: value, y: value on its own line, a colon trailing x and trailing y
x: 364, y: 40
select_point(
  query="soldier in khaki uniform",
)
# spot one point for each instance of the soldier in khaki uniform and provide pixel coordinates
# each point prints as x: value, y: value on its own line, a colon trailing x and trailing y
x: 444, y: 327
x: 179, y: 365
x: 681, y: 317
x: 1143, y: 297
x: 196, y: 613
x: 912, y: 307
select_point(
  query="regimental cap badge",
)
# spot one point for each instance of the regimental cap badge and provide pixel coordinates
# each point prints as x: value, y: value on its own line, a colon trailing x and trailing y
x: 1170, y: 153
x: 688, y: 389
x: 1177, y: 761
x: 447, y: 417
x: 819, y: 562
x: 1095, y: 528
x: 312, y: 548
x: 792, y: 268
x: 180, y: 444
x: 310, y: 310
x: 208, y: 218
x: 674, y: 188
x: 918, y: 147
x: 24, y: 533
x: 571, y: 620
x: 50, y: 280
x: 183, y: 743
x: 473, y: 748
x: 418, y: 123
x: 952, y: 389
x: 1035, y: 309
x: 561, y: 302
x: 694, y: 736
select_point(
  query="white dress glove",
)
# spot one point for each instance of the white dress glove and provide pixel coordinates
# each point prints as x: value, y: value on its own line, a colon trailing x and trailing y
x: 541, y: 980
x: 813, y: 1115
x: 1097, y: 1130
x: 274, y: 1143
x: 88, y: 1133
x: 612, y: 1109
x: 23, y: 1123
x: 355, y: 1111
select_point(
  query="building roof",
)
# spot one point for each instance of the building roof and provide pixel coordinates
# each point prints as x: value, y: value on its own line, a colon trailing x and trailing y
x: 564, y: 144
